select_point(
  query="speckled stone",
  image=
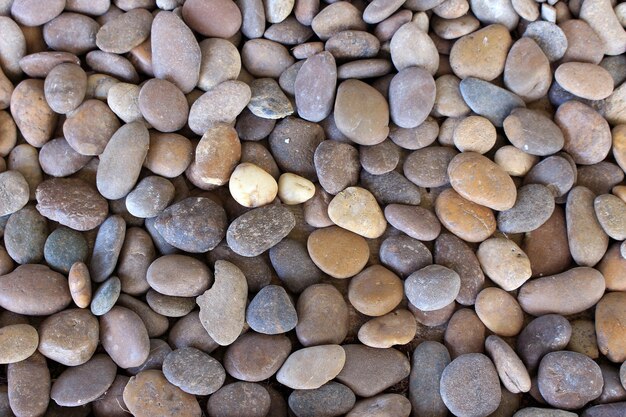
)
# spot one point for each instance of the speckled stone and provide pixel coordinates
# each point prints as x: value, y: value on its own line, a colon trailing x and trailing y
x: 271, y: 311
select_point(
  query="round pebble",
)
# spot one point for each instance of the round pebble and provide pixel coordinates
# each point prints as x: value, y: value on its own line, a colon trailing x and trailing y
x: 63, y: 248
x: 375, y: 291
x: 499, y: 311
x: 504, y: 262
x: 19, y: 341
x: 254, y: 357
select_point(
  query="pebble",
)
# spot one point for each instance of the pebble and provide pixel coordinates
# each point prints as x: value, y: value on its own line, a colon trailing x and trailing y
x: 612, y: 268
x: 549, y: 37
x: 609, y: 314
x: 584, y: 80
x: 611, y: 214
x: 65, y: 87
x: 12, y: 47
x: 25, y: 235
x: 534, y: 207
x: 353, y: 44
x: 13, y: 184
x: 150, y: 197
x: 587, y: 240
x: 570, y: 292
x: 112, y: 65
x: 600, y: 16
x: 489, y: 100
x: 388, y: 367
x: 391, y: 405
x: 600, y: 178
x: 294, y: 189
x: 124, y: 337
x: 411, y: 85
x: 356, y: 210
x: 79, y: 41
x: 193, y: 371
x: 454, y: 254
x: 608, y: 410
x: 431, y: 174
x: 380, y: 159
x: 264, y: 58
x: 417, y: 222
x: 429, y: 359
x: 34, y: 290
x: 481, y: 54
x: 583, y: 339
x: 293, y: 142
x: 79, y: 282
x: 268, y: 101
x: 107, y: 248
x: 330, y: 399
x: 465, y: 333
x: 240, y: 398
x: 396, y: 328
x: 84, y: 383
x: 259, y: 229
x: 124, y: 32
x: 135, y: 257
x: 544, y: 334
x: 555, y: 172
x: 105, y: 297
x: 533, y: 132
x: 189, y: 331
x: 583, y: 43
x: 375, y: 291
x: 175, y: 51
x: 139, y: 396
x: 509, y: 366
x: 480, y: 180
x: 58, y: 159
x: 323, y: 316
x: 112, y: 402
x: 169, y: 306
x: 216, y: 156
x: 271, y: 311
x: 468, y: 220
x: 195, y: 224
x: 499, y: 311
x: 193, y: 277
x: 340, y: 17
x: 432, y: 287
x: 69, y: 337
x: 501, y: 12
x: 163, y: 105
x: 364, y: 68
x: 18, y: 341
x: 474, y: 134
x: 31, y: 112
x: 222, y: 307
x: 312, y: 367
x: 411, y: 46
x: 391, y: 188
x: 156, y: 324
x: 569, y: 380
x: 254, y: 357
x: 89, y: 128
x: 29, y: 386
x: 470, y: 385
x: 337, y: 166
x: 293, y: 265
x: 169, y: 154
x: 315, y: 87
x: 63, y: 248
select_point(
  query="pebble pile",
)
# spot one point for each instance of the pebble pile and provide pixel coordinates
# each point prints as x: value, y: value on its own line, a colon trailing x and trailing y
x: 305, y: 208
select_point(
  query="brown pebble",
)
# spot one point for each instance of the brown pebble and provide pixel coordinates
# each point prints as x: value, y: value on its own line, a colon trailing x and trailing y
x: 499, y: 311
x: 169, y: 154
x: 583, y: 339
x: 527, y: 70
x: 265, y: 59
x: 315, y: 87
x: 89, y: 128
x: 587, y: 240
x: 124, y: 337
x: 466, y: 219
x: 69, y: 337
x: 29, y: 386
x: 609, y: 315
x: 356, y: 210
x: 465, y: 333
x: 482, y: 53
x: 18, y: 342
x: 510, y: 367
x: 410, y: 86
x: 254, y: 357
x: 312, y: 367
x: 395, y: 328
x: 317, y: 307
x: 504, y: 262
x: 163, y: 105
x: 375, y: 291
x: 33, y: 116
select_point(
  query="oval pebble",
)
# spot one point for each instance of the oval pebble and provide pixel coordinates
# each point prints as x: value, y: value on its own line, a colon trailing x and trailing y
x: 532, y: 132
x: 84, y: 383
x: 254, y: 357
x: 323, y: 316
x: 18, y: 341
x: 375, y: 291
x: 315, y: 87
x: 69, y: 337
x: 240, y: 398
x: 193, y: 277
x: 396, y: 328
x: 466, y: 219
x: 312, y: 367
x: 271, y: 311
x: 432, y: 287
x: 411, y: 85
x: 193, y: 371
x: 329, y: 399
x: 533, y: 207
x: 428, y: 361
x: 124, y: 337
x: 32, y: 373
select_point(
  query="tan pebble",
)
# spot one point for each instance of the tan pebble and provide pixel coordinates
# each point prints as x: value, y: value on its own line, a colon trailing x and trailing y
x: 169, y: 154
x: 527, y: 71
x: 465, y: 333
x: 583, y: 339
x: 294, y: 189
x: 33, y: 117
x: 481, y: 54
x: 163, y: 105
x: 613, y: 268
x: 338, y: 252
x: 265, y: 59
x: 17, y: 342
x: 611, y: 213
x: 474, y: 134
x: 585, y: 80
x: 514, y: 161
x: 323, y: 316
x: 12, y: 47
x: 316, y: 209
x: 499, y: 311
x: 449, y: 101
x: 212, y: 18
x: 609, y: 317
x: 89, y: 128
x: 587, y: 240
x: 527, y: 9
x: 375, y: 291
x: 220, y: 62
x: 468, y: 220
x: 336, y: 18
x: 619, y: 145
x: 395, y: 328
x: 504, y: 262
x: 80, y: 284
x: 583, y: 44
x: 123, y: 100
x: 312, y: 367
x: 252, y: 186
x: 411, y: 46
x: 510, y: 367
x: 357, y: 210
x: 601, y: 17
x: 8, y: 133
x: 216, y: 156
x: 24, y: 159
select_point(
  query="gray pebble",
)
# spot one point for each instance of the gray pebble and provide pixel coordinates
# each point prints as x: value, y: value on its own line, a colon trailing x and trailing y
x: 271, y: 311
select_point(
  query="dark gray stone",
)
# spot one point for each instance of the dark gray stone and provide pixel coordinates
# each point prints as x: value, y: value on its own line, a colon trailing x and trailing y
x: 106, y: 296
x: 194, y: 371
x: 489, y: 100
x: 25, y: 236
x: 533, y: 207
x: 391, y: 188
x: 64, y: 247
x: 293, y: 265
x: 429, y: 361
x: 271, y: 311
x: 404, y: 255
x: 542, y: 335
x: 107, y: 247
x: 331, y: 399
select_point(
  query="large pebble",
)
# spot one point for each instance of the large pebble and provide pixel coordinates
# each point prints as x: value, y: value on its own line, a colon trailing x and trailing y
x: 212, y: 18
x: 175, y: 51
x: 31, y: 112
x: 63, y: 248
x: 584, y: 80
x: 470, y: 386
x: 361, y: 113
x: 432, y: 288
x: 216, y: 156
x: 465, y: 333
x: 193, y: 371
x: 84, y: 383
x: 533, y: 207
x: 480, y: 180
x: 533, y: 132
x: 417, y: 222
x: 195, y: 224
x: 58, y: 159
x: 329, y: 399
x: 482, y: 53
x: 293, y: 142
x: 396, y: 328
x: 124, y: 32
x: 510, y: 367
x: 611, y: 214
x: 34, y: 290
x: 429, y: 359
x: 544, y: 334
x: 587, y: 134
x: 29, y: 386
x: 504, y: 262
x: 124, y: 337
x: 264, y: 58
x: 139, y: 396
x: 527, y: 71
x: 489, y: 100
x: 240, y: 398
x: 315, y: 87
x: 337, y: 165
x: 65, y: 87
x: 410, y: 86
x: 259, y: 229
x: 254, y: 357
x: 294, y: 266
x: 163, y: 105
x: 453, y: 253
x: 12, y: 47
x: 602, y: 19
x: 169, y: 154
x: 25, y: 236
x: 89, y: 128
x: 13, y: 185
x: 499, y: 311
x: 69, y: 337
x: 271, y: 311
x: 18, y: 342
x: 356, y: 210
x: 222, y: 307
x: 610, y: 312
x: 220, y: 62
x: 322, y: 316
x: 337, y: 18
x: 570, y: 292
x: 150, y: 197
x: 221, y: 104
x: 431, y: 174
x: 411, y: 46
x: 469, y: 221
x: 387, y: 367
x: 107, y: 247
x: 179, y: 276
x: 569, y: 380
x: 587, y: 240
x: 106, y: 296
x: 312, y: 367
x: 375, y: 291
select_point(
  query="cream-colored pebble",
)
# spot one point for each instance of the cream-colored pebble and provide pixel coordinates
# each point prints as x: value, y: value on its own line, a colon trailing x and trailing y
x: 251, y: 186
x: 514, y: 161
x: 294, y: 189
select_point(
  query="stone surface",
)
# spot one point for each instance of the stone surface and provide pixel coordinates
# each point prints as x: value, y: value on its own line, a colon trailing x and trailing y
x: 356, y: 210
x: 179, y: 276
x: 29, y: 386
x: 18, y: 341
x: 609, y: 314
x: 193, y: 371
x: 63, y: 248
x: 396, y: 328
x: 84, y: 383
x: 89, y: 128
x: 293, y: 265
x: 504, y: 262
x: 25, y: 235
x: 254, y: 357
x: 584, y: 80
x: 105, y: 297
x: 222, y: 307
x: 499, y: 311
x: 509, y: 366
x: 587, y: 134
x: 587, y: 240
x: 470, y: 221
x: 432, y: 287
x: 489, y: 100
x: 600, y: 16
x: 534, y: 207
x: 13, y: 184
x: 482, y: 53
x: 611, y: 214
x: 532, y: 132
x: 329, y: 399
x: 323, y: 316
x: 239, y: 398
x: 225, y: 18
x: 69, y: 337
x: 548, y: 333
x: 375, y: 291
x: 312, y: 367
x: 32, y: 114
x: 337, y: 166
x: 315, y: 87
x: 271, y: 311
x: 124, y: 337
x: 79, y: 281
x: 411, y: 85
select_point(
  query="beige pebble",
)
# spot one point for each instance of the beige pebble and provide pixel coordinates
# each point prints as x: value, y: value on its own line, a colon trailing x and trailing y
x: 375, y: 291
x: 585, y: 80
x: 395, y: 328
x: 312, y: 367
x: 474, y: 134
x: 356, y: 210
x: 481, y: 54
x: 17, y: 342
x: 338, y: 252
x: 80, y: 284
x: 251, y: 186
x: 514, y: 161
x: 499, y: 312
x: 294, y: 189
x: 504, y: 262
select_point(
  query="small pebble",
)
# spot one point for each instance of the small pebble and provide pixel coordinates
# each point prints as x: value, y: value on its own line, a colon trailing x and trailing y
x: 271, y: 311
x: 84, y: 383
x: 312, y: 367
x: 19, y: 341
x: 193, y: 371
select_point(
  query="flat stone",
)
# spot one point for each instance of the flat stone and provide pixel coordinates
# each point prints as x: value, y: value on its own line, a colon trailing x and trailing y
x: 315, y: 87
x: 312, y: 367
x: 195, y: 224
x: 124, y: 32
x: 335, y: 19
x: 31, y: 112
x: 268, y: 100
x: 578, y: 378
x: 353, y: 44
x: 13, y: 184
x: 84, y: 383
x: 107, y: 247
x: 549, y: 37
x: 293, y: 142
x: 404, y: 255
x: 510, y: 367
x: 222, y: 307
x: 58, y: 159
x: 488, y: 100
x: 499, y: 311
x: 239, y: 398
x: 391, y: 188
x: 411, y: 97
x: 193, y: 371
x: 611, y: 213
x: 256, y: 269
x: 34, y: 290
x: 18, y: 341
x: 391, y: 405
x: 124, y: 337
x: 432, y: 287
x: 583, y: 43
x: 25, y: 235
x: 431, y: 174
x: 396, y: 328
x: 216, y: 156
x: 329, y: 399
x: 609, y: 313
x: 465, y: 333
x: 139, y: 396
x: 527, y: 71
x: 387, y: 367
x: 29, y: 385
x: 69, y: 337
x: 193, y: 277
x: 417, y: 222
x: 612, y: 268
x: 65, y: 87
x: 271, y: 311
x: 170, y: 306
x: 255, y: 357
x: 189, y: 331
x: 264, y: 58
x: 501, y: 12
x: 544, y: 334
x: 429, y: 359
